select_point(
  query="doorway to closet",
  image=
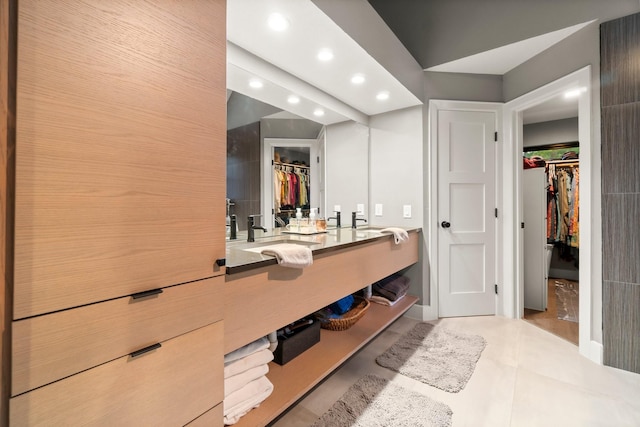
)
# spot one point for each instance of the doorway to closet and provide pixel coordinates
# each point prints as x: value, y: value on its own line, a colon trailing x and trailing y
x: 550, y: 191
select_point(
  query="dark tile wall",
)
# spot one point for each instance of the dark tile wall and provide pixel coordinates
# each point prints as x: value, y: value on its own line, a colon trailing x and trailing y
x: 243, y: 171
x: 620, y: 98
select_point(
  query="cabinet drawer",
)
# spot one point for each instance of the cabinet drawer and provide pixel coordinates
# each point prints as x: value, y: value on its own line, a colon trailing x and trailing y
x: 167, y: 386
x: 47, y: 348
x: 212, y: 418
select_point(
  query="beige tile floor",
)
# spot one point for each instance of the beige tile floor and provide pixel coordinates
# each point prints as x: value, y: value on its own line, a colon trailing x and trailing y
x: 525, y: 377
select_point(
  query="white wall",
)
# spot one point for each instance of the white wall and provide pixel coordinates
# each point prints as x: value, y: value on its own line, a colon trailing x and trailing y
x: 396, y: 176
x: 347, y: 168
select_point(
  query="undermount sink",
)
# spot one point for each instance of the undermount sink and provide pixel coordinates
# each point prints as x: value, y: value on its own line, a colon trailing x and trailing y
x: 278, y: 243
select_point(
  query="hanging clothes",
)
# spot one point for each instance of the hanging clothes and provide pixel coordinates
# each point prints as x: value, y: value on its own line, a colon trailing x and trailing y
x: 563, y: 204
x: 291, y: 186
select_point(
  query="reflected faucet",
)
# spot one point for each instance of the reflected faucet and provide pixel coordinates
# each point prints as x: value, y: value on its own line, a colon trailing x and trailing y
x: 354, y: 219
x: 251, y: 226
x: 233, y: 226
x: 337, y: 218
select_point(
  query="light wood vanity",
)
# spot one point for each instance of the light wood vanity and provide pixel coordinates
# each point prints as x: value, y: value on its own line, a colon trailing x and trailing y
x: 261, y: 300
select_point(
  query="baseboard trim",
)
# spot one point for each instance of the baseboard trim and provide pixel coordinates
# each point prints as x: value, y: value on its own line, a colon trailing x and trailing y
x: 423, y: 313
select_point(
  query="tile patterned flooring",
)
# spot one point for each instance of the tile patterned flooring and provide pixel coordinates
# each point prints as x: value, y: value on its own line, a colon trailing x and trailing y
x: 525, y: 377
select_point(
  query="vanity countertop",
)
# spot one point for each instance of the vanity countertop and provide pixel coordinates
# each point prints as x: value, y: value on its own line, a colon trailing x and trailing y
x: 242, y: 255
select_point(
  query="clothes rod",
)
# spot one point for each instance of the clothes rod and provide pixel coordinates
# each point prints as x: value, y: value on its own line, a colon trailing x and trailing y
x: 289, y: 164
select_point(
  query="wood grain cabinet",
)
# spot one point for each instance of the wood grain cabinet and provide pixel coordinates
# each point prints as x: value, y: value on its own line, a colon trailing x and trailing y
x: 120, y: 187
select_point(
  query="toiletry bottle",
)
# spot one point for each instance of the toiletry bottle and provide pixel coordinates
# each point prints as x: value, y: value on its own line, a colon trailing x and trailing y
x: 312, y: 220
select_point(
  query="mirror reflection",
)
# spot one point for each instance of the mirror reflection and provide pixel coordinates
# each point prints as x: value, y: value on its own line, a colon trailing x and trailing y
x: 269, y: 163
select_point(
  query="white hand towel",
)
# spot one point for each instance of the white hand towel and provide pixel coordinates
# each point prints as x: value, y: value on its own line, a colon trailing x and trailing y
x: 252, y: 347
x: 399, y: 234
x: 248, y: 397
x: 291, y: 255
x: 384, y: 301
x: 236, y: 382
x: 258, y: 358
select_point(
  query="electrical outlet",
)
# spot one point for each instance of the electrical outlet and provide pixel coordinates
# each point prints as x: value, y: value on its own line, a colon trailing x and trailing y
x: 336, y: 208
x: 406, y: 211
x: 360, y: 208
x: 378, y: 209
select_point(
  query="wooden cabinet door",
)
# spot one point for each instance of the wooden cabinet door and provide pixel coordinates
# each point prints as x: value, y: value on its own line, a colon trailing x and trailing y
x: 120, y: 148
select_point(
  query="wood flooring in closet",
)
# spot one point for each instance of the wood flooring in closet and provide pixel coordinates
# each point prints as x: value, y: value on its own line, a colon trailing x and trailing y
x: 548, y: 320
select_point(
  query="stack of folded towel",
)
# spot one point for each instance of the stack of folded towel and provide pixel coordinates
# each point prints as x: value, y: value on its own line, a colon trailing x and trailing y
x: 390, y: 290
x: 245, y: 383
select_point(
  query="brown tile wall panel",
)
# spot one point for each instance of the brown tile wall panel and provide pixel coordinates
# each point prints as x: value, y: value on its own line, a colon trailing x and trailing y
x: 620, y: 242
x: 621, y: 148
x: 621, y: 314
x: 619, y: 60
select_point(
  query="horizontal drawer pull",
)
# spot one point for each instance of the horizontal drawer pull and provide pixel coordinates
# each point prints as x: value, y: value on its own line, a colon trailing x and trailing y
x: 146, y: 293
x: 145, y: 350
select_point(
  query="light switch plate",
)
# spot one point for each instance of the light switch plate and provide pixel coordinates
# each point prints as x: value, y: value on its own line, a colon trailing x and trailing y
x: 378, y: 209
x: 406, y: 211
x: 360, y: 208
x: 336, y: 208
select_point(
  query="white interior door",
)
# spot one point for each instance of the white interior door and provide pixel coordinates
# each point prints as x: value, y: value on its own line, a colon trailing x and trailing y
x: 466, y: 212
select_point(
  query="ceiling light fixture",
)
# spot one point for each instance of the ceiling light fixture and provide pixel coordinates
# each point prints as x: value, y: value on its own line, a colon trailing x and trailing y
x: 277, y: 22
x: 255, y: 83
x: 293, y: 99
x: 357, y: 79
x: 574, y: 93
x: 319, y: 112
x: 382, y: 96
x: 325, y: 54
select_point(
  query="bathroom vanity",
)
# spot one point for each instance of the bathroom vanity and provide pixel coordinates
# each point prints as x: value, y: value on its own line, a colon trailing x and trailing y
x: 261, y: 297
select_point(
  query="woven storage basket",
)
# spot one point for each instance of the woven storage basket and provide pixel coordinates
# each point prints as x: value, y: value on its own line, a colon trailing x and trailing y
x: 348, y: 319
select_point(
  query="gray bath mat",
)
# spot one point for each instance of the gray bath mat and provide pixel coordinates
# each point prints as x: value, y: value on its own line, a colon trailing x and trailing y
x: 567, y: 300
x: 373, y: 401
x: 436, y: 356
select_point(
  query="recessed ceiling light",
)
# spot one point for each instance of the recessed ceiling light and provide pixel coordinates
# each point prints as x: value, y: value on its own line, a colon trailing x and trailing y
x: 325, y: 54
x: 319, y: 112
x: 255, y: 83
x: 277, y: 22
x: 382, y: 96
x: 574, y: 93
x: 357, y: 79
x: 293, y: 99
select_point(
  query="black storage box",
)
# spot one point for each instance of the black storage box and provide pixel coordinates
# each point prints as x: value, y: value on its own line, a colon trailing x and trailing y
x: 293, y: 345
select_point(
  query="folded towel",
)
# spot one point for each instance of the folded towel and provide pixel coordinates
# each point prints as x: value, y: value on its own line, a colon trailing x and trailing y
x: 248, y: 397
x: 384, y: 301
x: 252, y: 347
x: 291, y: 255
x: 399, y: 234
x: 258, y: 358
x: 236, y: 382
x: 392, y: 287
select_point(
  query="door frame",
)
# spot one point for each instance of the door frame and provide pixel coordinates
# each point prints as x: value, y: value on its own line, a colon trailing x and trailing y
x: 436, y: 105
x: 590, y: 272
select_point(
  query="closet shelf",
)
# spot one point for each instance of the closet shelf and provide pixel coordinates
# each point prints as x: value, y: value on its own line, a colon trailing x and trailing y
x: 300, y: 375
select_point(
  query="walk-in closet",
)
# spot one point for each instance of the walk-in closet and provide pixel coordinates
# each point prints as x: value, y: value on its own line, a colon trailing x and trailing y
x: 551, y: 238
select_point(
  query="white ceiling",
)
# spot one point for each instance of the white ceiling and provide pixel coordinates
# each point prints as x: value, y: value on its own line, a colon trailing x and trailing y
x: 556, y: 108
x: 287, y: 63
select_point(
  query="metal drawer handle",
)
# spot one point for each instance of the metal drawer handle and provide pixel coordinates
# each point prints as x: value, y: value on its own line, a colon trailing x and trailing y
x: 145, y: 350
x: 146, y: 293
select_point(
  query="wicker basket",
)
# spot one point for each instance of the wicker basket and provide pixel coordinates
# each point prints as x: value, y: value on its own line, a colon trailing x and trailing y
x: 348, y: 319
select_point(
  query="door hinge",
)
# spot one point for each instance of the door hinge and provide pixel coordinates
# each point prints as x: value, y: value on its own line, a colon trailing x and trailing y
x: 496, y: 288
x: 522, y: 225
x: 495, y: 136
x: 496, y: 212
x: 317, y: 159
x: 272, y: 163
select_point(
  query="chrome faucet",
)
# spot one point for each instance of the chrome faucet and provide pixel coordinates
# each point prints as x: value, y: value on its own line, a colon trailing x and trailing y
x: 251, y: 226
x: 354, y: 219
x: 337, y: 218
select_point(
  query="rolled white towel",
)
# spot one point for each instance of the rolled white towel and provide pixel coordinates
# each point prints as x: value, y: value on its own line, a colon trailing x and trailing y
x: 252, y: 347
x: 248, y: 397
x: 291, y: 255
x: 399, y: 234
x: 258, y: 358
